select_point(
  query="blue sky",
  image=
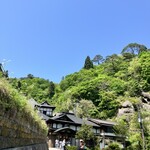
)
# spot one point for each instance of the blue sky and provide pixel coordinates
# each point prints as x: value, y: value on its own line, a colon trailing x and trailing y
x: 51, y: 38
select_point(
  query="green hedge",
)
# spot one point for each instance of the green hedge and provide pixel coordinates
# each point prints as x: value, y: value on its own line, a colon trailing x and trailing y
x: 71, y: 147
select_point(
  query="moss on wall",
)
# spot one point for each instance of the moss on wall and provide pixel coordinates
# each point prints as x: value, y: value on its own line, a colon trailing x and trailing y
x: 19, y: 124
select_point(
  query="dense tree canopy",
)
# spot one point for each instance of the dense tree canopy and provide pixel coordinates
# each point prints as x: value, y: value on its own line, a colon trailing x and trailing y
x: 98, y: 59
x: 134, y: 48
x: 119, y: 75
x: 33, y: 87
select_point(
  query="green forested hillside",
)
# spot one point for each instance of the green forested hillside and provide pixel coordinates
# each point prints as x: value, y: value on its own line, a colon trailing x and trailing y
x: 105, y: 84
x: 34, y: 87
x: 124, y: 75
x: 99, y: 89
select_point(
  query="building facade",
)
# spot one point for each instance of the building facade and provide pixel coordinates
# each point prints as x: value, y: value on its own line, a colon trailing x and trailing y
x: 107, y: 134
x: 65, y: 126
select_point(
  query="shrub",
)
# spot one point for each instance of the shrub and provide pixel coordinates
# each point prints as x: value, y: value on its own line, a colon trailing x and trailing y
x: 113, y: 146
x: 71, y: 147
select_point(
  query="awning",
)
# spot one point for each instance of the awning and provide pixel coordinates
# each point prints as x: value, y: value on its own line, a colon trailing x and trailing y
x: 64, y: 129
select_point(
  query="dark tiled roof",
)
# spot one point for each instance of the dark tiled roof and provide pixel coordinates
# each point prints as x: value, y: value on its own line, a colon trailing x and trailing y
x: 72, y: 118
x: 57, y: 116
x: 80, y: 121
x: 46, y: 104
x: 33, y: 103
x: 102, y: 122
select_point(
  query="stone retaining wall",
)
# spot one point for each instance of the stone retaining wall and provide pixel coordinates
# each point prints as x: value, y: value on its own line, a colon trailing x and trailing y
x: 16, y: 134
x: 19, y: 124
x: 31, y: 147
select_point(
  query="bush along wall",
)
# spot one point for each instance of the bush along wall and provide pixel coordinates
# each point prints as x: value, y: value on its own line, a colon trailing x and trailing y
x: 19, y: 124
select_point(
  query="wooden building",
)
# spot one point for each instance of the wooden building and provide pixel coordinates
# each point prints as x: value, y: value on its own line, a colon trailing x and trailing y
x: 45, y: 111
x: 65, y: 125
x: 107, y: 134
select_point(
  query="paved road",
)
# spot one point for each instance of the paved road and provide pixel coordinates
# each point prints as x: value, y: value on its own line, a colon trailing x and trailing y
x: 52, y: 148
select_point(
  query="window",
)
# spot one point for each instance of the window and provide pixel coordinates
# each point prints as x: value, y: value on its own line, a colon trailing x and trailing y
x: 94, y: 130
x: 78, y: 128
x: 109, y: 130
x: 54, y: 125
x: 97, y: 130
x: 59, y: 125
x: 72, y: 127
x: 44, y: 112
x: 49, y: 109
x: 49, y: 113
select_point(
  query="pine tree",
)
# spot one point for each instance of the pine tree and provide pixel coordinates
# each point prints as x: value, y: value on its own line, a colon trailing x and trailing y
x: 51, y: 89
x: 88, y: 63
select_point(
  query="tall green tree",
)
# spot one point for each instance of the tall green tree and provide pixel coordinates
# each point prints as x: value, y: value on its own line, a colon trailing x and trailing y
x: 112, y: 64
x: 88, y: 63
x: 86, y: 109
x: 51, y: 89
x: 108, y: 105
x: 19, y: 84
x: 128, y: 56
x: 144, y: 61
x: 98, y: 59
x: 30, y: 76
x: 85, y: 132
x: 134, y: 48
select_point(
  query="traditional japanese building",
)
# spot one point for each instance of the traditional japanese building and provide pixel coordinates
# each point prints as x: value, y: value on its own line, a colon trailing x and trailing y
x: 65, y: 125
x: 107, y: 134
x: 45, y: 111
